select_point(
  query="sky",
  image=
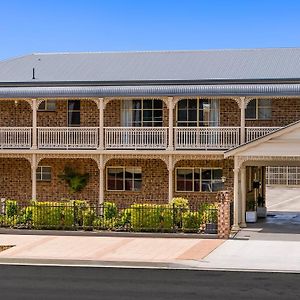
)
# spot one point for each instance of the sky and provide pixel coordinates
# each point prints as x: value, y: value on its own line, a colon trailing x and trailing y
x: 31, y: 26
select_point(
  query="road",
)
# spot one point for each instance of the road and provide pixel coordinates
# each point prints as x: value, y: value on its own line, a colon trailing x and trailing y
x: 43, y: 282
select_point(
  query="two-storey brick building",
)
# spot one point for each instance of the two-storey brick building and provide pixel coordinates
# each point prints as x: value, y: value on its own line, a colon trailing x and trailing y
x: 145, y: 126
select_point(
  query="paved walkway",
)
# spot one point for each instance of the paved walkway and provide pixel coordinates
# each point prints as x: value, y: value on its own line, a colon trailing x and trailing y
x: 106, y: 249
x: 236, y: 254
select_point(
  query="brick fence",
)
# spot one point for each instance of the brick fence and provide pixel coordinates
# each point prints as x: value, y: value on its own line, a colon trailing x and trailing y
x: 224, y: 198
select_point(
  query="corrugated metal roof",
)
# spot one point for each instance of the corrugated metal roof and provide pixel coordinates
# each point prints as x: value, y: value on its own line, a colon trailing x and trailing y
x: 154, y: 90
x: 278, y: 63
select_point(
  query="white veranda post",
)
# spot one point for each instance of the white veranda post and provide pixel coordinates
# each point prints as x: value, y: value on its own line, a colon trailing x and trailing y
x: 33, y: 176
x: 236, y: 171
x: 101, y: 123
x: 242, y: 107
x: 170, y: 105
x: 101, y: 179
x: 170, y: 170
x: 243, y: 196
x: 34, y: 123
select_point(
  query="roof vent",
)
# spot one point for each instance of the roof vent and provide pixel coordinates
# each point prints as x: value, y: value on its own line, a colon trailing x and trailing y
x: 33, y: 73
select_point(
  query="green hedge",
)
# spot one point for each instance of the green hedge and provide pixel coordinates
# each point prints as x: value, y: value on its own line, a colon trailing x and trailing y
x: 52, y: 214
x: 150, y: 217
x: 138, y: 217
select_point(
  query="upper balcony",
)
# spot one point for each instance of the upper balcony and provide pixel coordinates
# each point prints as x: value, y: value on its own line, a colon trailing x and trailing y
x: 131, y: 138
x: 139, y: 124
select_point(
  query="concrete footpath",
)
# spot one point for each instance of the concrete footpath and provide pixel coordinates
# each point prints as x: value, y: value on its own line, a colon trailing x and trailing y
x: 241, y: 253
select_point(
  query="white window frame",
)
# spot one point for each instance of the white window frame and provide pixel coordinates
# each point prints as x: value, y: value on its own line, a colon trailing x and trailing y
x: 124, y: 179
x: 257, y: 108
x: 47, y: 109
x: 142, y: 109
x: 41, y: 173
x: 200, y: 179
x: 198, y: 115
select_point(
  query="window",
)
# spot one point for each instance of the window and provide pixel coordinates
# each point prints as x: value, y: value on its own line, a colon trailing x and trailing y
x: 124, y: 179
x: 259, y: 109
x: 47, y: 105
x: 142, y: 113
x: 43, y: 173
x: 198, y: 112
x: 198, y: 180
x: 73, y: 113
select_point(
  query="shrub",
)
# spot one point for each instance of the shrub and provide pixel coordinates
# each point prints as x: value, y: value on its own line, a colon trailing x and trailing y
x: 102, y: 223
x: 180, y: 205
x: 24, y: 216
x: 88, y: 219
x: 124, y: 219
x: 191, y: 221
x: 180, y: 202
x: 52, y: 214
x: 110, y: 210
x: 151, y: 217
x: 79, y: 207
x: 11, y: 208
x: 209, y: 212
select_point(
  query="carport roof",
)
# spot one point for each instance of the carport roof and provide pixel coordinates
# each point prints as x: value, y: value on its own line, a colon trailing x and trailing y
x: 284, y: 142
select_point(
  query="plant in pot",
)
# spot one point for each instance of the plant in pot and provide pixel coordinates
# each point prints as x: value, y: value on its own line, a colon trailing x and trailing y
x: 251, y: 214
x: 261, y: 207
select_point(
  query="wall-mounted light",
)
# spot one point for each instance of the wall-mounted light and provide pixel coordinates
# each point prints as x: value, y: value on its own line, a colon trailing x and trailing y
x: 223, y: 178
x: 16, y: 103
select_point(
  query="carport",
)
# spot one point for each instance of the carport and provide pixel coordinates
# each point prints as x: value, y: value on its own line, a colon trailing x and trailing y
x: 278, y: 148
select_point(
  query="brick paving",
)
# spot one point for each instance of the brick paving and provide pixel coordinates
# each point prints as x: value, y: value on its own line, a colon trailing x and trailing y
x: 121, y: 249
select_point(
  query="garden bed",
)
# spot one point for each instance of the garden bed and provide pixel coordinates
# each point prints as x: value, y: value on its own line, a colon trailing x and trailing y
x: 177, y: 216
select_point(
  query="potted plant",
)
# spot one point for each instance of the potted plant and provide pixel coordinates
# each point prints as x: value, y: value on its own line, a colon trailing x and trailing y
x: 261, y: 207
x: 251, y: 214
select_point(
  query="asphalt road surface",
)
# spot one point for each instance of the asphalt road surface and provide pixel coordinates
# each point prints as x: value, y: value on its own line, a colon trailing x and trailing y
x: 36, y: 282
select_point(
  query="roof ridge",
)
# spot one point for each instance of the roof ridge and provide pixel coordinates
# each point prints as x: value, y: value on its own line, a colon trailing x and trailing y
x: 165, y: 51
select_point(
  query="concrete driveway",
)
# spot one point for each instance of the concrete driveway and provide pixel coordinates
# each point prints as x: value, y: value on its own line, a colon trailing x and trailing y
x: 283, y: 198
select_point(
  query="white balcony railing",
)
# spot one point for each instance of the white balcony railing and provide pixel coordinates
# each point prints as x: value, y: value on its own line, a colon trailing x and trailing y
x: 68, y: 137
x: 206, y: 137
x: 15, y: 137
x: 253, y: 133
x: 136, y: 137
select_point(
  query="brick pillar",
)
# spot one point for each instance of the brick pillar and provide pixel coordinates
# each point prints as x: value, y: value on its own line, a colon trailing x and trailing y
x: 224, y: 198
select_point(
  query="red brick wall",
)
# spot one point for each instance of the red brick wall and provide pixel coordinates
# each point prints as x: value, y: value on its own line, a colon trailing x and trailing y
x: 89, y: 115
x: 15, y: 114
x: 230, y: 114
x: 57, y: 189
x: 15, y: 179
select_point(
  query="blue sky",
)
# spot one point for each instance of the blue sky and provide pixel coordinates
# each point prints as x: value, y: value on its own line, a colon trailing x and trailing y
x: 28, y: 26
